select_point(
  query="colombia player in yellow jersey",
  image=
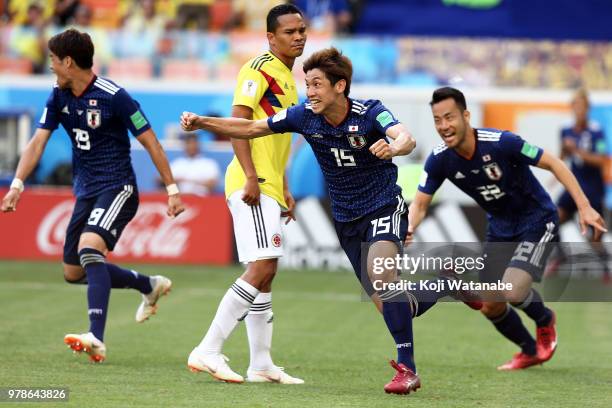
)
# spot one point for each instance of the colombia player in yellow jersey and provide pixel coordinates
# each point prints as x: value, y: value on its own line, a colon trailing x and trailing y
x: 257, y: 195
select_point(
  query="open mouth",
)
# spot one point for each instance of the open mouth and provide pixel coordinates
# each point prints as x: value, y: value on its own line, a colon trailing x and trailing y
x: 448, y: 138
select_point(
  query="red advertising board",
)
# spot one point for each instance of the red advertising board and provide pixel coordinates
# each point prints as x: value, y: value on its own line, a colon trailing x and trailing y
x: 202, y: 234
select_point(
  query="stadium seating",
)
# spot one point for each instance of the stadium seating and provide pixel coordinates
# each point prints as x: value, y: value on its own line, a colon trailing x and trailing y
x: 185, y: 69
x: 138, y: 68
x: 19, y: 66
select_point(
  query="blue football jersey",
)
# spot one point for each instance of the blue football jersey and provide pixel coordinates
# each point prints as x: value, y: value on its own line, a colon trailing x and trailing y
x: 358, y: 182
x: 497, y: 177
x: 592, y: 140
x: 97, y: 123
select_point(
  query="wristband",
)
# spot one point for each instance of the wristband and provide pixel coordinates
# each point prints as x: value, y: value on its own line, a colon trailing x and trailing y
x: 18, y: 184
x: 172, y: 189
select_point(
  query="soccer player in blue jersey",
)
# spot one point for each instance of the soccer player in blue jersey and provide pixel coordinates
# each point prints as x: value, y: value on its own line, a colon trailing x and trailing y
x: 97, y: 114
x: 350, y: 139
x: 584, y: 145
x: 492, y: 167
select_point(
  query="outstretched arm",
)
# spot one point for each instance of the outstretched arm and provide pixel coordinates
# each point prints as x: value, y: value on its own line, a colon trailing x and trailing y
x: 417, y: 212
x: 588, y: 216
x: 403, y: 143
x: 29, y: 159
x: 229, y: 127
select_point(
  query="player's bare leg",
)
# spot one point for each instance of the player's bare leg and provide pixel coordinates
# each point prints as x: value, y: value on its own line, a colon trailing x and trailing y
x: 377, y: 302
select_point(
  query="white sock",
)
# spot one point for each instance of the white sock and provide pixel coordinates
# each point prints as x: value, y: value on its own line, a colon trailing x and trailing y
x: 233, y: 308
x: 259, y: 330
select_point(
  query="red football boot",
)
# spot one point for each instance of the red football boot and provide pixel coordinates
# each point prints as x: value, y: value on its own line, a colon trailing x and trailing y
x: 404, y: 380
x: 546, y: 340
x: 520, y: 361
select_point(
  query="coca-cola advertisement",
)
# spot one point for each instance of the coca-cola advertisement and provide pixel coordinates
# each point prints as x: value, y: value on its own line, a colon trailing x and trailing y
x: 202, y: 234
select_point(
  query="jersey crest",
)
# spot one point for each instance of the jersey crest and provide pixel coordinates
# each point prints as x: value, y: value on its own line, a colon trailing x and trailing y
x: 493, y: 171
x: 94, y: 118
x: 357, y: 141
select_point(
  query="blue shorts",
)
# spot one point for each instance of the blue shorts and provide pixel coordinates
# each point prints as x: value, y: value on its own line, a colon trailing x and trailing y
x: 566, y: 202
x: 106, y: 215
x: 527, y: 251
x: 388, y: 223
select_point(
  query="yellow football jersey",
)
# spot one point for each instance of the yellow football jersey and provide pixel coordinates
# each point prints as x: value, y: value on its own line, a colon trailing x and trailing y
x: 266, y: 85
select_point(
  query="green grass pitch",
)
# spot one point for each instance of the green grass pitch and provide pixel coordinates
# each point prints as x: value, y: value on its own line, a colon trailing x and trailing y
x: 322, y: 333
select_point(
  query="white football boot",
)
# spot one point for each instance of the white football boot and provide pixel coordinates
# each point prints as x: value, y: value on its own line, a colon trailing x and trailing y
x: 161, y: 286
x: 213, y: 364
x: 274, y: 375
x: 88, y: 343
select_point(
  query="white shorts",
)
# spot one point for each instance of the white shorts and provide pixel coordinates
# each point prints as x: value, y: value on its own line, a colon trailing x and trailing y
x: 257, y: 228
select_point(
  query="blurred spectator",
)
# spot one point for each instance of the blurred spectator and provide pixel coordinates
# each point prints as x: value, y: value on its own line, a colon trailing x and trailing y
x: 251, y: 15
x: 143, y: 31
x: 102, y: 43
x: 194, y: 173
x: 191, y: 12
x: 331, y: 16
x: 143, y: 17
x: 412, y: 61
x: 220, y: 15
x: 18, y: 10
x: 28, y: 40
x: 64, y: 11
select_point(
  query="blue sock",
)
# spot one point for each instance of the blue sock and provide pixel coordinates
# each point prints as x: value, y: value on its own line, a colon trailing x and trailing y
x: 533, y: 306
x: 398, y: 317
x: 510, y: 326
x: 123, y: 278
x: 98, y: 289
x: 424, y: 299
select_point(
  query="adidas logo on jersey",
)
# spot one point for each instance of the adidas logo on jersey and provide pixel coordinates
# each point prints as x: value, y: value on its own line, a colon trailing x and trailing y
x: 459, y: 175
x: 114, y: 233
x: 65, y: 110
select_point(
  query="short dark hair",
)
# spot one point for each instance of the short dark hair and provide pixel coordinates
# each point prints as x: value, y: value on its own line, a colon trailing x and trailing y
x: 74, y: 44
x: 447, y: 92
x: 334, y: 64
x: 277, y: 11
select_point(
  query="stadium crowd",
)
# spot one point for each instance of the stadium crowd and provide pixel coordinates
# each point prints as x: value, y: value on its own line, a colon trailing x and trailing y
x: 210, y: 39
